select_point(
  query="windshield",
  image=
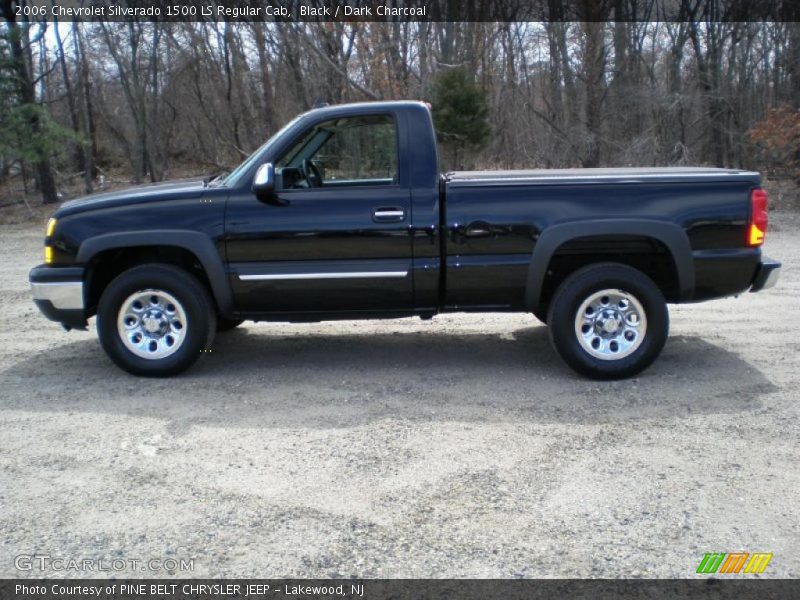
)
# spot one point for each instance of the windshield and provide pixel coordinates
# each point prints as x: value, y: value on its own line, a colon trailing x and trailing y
x: 234, y: 177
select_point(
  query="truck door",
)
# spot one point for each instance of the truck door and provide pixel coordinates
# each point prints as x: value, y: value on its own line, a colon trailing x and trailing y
x: 335, y: 236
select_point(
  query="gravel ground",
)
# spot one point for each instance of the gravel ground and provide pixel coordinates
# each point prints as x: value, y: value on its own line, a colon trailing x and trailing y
x: 458, y: 447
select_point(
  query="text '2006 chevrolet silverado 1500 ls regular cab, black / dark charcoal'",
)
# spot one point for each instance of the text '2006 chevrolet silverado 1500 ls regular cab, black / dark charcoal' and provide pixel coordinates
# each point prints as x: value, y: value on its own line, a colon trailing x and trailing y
x: 343, y: 214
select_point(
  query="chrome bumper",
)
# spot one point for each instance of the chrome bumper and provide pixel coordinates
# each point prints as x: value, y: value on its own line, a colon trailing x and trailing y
x: 63, y: 295
x: 58, y: 293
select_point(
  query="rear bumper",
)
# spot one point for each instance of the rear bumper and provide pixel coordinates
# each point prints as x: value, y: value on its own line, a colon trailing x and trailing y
x: 767, y: 275
x: 58, y: 293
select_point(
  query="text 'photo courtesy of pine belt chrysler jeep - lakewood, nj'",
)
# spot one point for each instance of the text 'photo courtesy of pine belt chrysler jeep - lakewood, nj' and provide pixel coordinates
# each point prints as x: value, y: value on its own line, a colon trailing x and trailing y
x: 344, y: 214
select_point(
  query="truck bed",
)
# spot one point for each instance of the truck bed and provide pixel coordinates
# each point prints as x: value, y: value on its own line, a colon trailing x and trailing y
x: 572, y: 176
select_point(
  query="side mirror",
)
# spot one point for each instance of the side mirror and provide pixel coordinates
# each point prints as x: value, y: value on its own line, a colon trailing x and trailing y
x: 264, y: 181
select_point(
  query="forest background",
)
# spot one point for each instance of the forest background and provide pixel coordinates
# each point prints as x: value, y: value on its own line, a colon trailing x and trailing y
x: 86, y: 106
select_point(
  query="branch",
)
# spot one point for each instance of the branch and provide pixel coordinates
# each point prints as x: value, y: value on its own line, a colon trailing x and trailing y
x: 366, y: 91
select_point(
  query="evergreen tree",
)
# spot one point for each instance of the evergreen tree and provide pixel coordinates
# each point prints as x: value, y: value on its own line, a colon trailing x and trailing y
x: 26, y: 131
x: 460, y: 113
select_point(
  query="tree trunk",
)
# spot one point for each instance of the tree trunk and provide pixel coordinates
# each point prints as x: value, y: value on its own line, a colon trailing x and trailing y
x: 594, y: 63
x: 87, y: 106
x: 267, y: 102
x: 77, y: 150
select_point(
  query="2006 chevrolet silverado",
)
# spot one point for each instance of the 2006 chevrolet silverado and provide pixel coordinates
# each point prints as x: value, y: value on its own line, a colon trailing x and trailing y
x: 343, y: 214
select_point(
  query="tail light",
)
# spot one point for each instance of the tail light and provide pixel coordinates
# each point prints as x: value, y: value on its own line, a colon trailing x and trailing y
x: 758, y: 217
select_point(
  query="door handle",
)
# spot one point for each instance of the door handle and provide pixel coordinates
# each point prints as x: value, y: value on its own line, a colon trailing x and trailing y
x: 388, y: 214
x: 461, y: 234
x: 478, y: 229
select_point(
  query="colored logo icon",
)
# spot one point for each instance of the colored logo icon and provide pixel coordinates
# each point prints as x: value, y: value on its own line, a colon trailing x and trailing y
x: 734, y: 562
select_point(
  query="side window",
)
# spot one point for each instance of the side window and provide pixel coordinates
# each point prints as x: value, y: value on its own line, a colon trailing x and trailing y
x: 344, y: 152
x: 360, y: 149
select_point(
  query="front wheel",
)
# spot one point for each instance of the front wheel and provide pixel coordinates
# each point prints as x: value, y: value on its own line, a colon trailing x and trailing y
x: 155, y: 320
x: 608, y: 321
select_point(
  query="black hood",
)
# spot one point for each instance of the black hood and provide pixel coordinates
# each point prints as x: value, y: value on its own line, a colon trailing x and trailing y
x: 154, y: 192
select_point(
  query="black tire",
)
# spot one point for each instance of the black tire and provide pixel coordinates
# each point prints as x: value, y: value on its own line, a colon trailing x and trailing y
x: 224, y: 324
x: 192, y: 298
x: 589, y: 282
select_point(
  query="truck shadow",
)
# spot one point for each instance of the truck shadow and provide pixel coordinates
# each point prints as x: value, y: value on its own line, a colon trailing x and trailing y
x: 259, y: 378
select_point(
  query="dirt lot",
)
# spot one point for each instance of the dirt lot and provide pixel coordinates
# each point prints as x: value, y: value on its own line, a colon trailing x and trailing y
x: 458, y: 447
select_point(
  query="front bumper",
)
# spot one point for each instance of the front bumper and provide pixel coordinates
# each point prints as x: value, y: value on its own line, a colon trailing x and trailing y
x: 58, y: 292
x: 767, y: 275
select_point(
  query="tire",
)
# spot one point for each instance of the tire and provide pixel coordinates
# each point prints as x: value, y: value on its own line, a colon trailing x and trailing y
x: 595, y: 323
x: 224, y: 324
x: 155, y: 320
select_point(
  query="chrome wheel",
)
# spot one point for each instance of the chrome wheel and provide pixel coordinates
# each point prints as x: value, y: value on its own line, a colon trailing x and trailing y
x: 610, y: 324
x: 152, y: 324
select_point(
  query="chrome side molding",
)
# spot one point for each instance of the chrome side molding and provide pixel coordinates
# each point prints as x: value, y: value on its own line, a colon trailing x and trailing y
x: 339, y: 275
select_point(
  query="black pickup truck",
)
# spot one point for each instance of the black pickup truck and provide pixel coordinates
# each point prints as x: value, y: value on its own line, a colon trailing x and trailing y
x: 343, y: 214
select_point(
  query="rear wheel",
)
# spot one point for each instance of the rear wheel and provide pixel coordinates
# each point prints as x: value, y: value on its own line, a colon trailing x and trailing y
x: 608, y: 321
x: 155, y: 320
